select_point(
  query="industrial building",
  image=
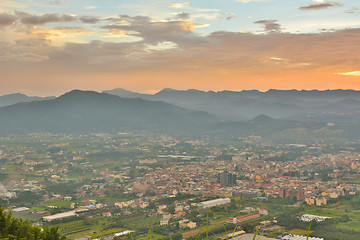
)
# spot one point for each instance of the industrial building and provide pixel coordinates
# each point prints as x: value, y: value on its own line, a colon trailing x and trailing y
x: 298, y: 237
x: 214, y: 203
x: 60, y: 216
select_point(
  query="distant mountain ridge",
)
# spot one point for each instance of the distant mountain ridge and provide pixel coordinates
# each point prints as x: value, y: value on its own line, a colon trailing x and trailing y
x: 14, y: 98
x: 305, y: 105
x: 84, y: 111
x: 89, y: 111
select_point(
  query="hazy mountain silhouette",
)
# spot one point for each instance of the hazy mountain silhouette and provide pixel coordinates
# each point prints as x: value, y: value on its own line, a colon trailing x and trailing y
x: 78, y: 111
x: 121, y: 92
x: 305, y: 105
x: 14, y: 98
x: 278, y: 114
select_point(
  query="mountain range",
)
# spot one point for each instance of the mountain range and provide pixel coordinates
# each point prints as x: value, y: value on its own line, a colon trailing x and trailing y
x: 312, y: 106
x: 276, y: 114
x: 81, y: 111
x: 14, y: 98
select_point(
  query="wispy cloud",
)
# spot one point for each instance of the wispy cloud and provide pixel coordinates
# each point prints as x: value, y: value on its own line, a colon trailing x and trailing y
x: 319, y: 5
x: 182, y: 16
x: 24, y: 57
x: 9, y: 4
x: 248, y: 1
x: 353, y: 10
x: 91, y: 7
x: 270, y: 25
x: 160, y: 46
x: 46, y: 18
x: 180, y: 5
x: 89, y: 19
x: 276, y: 59
x: 153, y: 32
x: 353, y: 73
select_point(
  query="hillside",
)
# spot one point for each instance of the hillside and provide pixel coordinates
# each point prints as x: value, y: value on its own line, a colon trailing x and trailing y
x: 81, y: 111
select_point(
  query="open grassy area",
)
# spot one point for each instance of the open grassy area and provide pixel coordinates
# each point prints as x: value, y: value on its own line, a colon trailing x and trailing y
x: 302, y: 232
x: 353, y: 225
x: 107, y: 232
x: 337, y: 212
x: 142, y: 222
x: 79, y: 228
x: 214, y: 224
x: 32, y: 209
x: 153, y: 236
x: 57, y: 203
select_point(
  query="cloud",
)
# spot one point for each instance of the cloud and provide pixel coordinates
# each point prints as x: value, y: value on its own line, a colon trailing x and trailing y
x: 182, y: 16
x: 33, y: 42
x: 91, y: 7
x: 170, y: 51
x: 229, y: 16
x: 248, y: 1
x: 270, y: 25
x: 61, y: 35
x: 276, y: 59
x: 353, y: 73
x: 89, y: 19
x: 234, y: 51
x: 320, y: 6
x: 204, y: 13
x: 116, y: 34
x: 353, y: 10
x: 46, y: 18
x: 207, y: 16
x: 7, y: 19
x: 161, y: 46
x: 180, y: 5
x: 24, y: 57
x: 153, y: 32
x: 9, y: 4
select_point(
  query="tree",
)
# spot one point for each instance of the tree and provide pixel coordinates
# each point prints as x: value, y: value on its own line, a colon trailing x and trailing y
x: 16, y: 228
x: 248, y: 227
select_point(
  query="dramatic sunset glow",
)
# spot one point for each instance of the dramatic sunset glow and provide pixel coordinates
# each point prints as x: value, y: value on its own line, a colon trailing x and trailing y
x: 49, y: 47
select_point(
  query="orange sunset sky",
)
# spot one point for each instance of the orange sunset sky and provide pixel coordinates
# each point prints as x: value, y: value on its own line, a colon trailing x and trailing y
x: 50, y: 47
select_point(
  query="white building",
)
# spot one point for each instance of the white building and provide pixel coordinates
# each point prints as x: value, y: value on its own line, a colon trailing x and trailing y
x: 60, y: 216
x: 309, y: 218
x: 297, y: 237
x: 214, y: 203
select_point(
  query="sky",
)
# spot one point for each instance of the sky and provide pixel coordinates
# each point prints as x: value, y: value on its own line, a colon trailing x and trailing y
x: 48, y: 47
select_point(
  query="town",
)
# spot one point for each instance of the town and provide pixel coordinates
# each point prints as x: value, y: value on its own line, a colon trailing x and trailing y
x: 128, y: 184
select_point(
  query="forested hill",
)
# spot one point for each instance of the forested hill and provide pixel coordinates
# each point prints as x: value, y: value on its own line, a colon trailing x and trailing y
x: 15, y: 228
x: 85, y: 111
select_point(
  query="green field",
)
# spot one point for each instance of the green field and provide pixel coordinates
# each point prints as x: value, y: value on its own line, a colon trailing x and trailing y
x: 354, y: 215
x: 79, y: 228
x: 57, y: 203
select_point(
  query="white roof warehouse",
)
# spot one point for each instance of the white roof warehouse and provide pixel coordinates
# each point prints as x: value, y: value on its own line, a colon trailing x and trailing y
x: 60, y: 215
x: 214, y: 203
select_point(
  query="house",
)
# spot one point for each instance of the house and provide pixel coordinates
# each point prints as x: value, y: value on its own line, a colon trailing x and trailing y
x: 106, y: 214
x: 263, y: 212
x: 187, y: 223
x: 232, y: 220
x: 164, y: 221
x: 192, y: 225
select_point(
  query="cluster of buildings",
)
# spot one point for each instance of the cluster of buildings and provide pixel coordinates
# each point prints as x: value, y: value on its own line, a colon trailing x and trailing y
x: 246, y: 179
x: 193, y: 167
